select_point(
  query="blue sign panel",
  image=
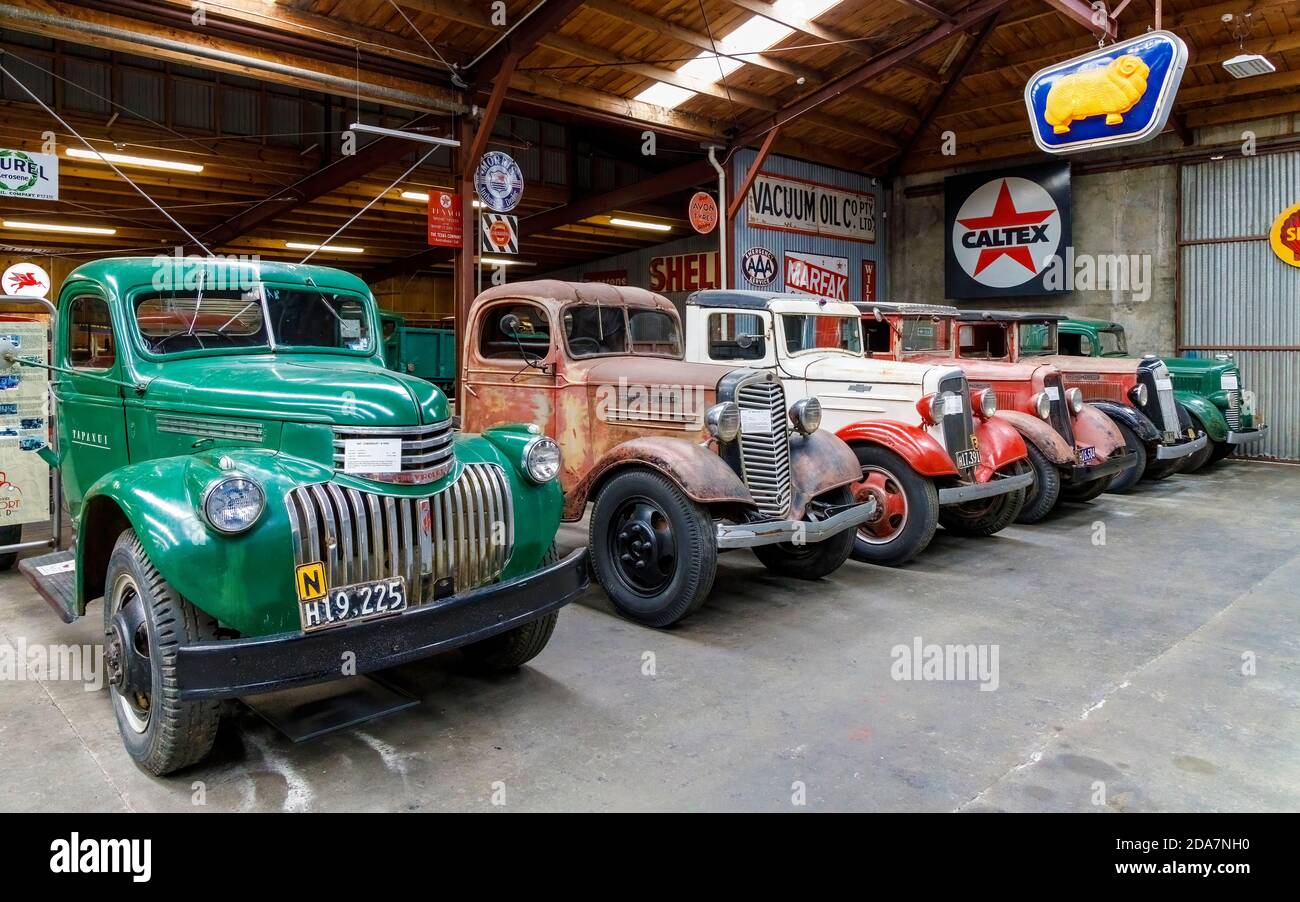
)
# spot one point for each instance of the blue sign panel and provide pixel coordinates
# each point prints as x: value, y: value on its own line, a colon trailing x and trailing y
x: 1121, y: 94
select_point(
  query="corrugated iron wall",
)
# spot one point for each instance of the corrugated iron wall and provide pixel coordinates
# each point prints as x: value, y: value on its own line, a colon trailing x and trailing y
x: 1236, y: 296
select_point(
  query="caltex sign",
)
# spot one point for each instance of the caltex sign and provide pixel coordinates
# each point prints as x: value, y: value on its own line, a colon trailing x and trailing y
x: 31, y: 176
x: 1004, y: 230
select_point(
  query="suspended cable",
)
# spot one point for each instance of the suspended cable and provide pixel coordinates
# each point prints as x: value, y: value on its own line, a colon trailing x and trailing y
x: 420, y: 35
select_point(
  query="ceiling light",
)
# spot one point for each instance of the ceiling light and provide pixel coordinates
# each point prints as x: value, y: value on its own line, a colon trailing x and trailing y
x: 640, y: 224
x: 399, y: 133
x: 423, y: 197
x: 124, y: 159
x: 1248, y: 65
x: 502, y: 261
x: 55, y: 227
x: 328, y: 248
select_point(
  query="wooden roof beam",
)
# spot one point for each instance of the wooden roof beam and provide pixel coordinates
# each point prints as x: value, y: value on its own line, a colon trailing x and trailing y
x: 519, y: 40
x: 1095, y: 21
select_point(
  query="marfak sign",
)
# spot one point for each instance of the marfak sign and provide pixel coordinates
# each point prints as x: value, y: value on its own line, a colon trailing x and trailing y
x: 1003, y: 229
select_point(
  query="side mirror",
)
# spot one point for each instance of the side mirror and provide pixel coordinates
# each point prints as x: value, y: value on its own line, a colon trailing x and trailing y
x: 511, y: 325
x: 875, y: 312
x: 745, y: 340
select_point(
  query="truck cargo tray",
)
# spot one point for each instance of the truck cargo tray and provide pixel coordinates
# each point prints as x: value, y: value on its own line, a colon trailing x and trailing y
x: 54, y: 576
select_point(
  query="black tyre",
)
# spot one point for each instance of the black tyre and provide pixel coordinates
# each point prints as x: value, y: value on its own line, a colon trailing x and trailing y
x: 1042, y: 496
x: 144, y: 622
x: 1221, y: 450
x: 987, y: 516
x: 1126, y: 479
x: 908, y: 509
x: 1199, y: 459
x: 1085, y: 491
x: 1163, y: 469
x: 516, y: 647
x: 812, y: 560
x: 10, y: 535
x: 653, y: 549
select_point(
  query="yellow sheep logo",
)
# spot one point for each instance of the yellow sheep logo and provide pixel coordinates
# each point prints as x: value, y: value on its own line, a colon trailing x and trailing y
x: 1109, y: 91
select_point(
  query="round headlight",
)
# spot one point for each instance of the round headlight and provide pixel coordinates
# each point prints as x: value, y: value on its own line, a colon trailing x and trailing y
x: 723, y: 421
x: 988, y: 401
x: 233, y: 504
x: 1042, y: 405
x: 542, y: 459
x: 806, y: 415
x: 1075, y: 397
x: 1139, y: 395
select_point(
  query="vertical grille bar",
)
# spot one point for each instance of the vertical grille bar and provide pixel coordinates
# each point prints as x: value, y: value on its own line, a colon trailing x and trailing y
x: 957, y: 427
x: 330, y: 535
x: 362, y: 521
x: 344, y: 516
x: 1060, y: 409
x: 765, y: 459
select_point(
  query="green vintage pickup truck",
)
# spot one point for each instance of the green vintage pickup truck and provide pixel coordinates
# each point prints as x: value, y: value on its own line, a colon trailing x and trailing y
x: 1210, y: 389
x: 261, y: 504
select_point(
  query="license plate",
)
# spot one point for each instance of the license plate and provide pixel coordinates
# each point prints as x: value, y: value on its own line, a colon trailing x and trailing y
x: 968, y: 459
x: 1088, y: 455
x: 349, y: 604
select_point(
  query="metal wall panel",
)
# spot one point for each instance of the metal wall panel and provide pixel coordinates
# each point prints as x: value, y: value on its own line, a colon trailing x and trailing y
x: 1236, y: 294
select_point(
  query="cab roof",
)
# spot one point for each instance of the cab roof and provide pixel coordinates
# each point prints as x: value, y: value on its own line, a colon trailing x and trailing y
x: 775, y: 301
x: 122, y: 274
x: 906, y: 308
x: 558, y: 292
x: 1011, y: 316
x: 1101, y: 325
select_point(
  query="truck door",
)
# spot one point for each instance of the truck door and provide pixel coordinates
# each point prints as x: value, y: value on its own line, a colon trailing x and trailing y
x: 91, y: 419
x: 510, y: 372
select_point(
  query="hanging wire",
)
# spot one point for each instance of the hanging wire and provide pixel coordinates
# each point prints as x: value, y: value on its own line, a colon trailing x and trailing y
x: 420, y: 35
x: 722, y: 76
x: 43, y: 105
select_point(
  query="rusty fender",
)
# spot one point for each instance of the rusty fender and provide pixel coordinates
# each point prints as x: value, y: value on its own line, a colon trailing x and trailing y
x: 1093, y: 427
x: 818, y: 463
x: 1042, y: 434
x: 697, y: 469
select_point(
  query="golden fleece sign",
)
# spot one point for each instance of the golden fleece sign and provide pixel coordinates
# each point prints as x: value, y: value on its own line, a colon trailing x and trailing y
x: 1121, y: 94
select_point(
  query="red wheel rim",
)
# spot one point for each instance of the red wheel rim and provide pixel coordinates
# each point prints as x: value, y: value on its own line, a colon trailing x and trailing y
x: 891, y: 505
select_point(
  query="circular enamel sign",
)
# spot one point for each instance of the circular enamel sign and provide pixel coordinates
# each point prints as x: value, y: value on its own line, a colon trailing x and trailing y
x: 759, y: 266
x: 1285, y: 235
x: 499, y: 182
x: 1006, y: 232
x: 703, y: 212
x: 26, y: 280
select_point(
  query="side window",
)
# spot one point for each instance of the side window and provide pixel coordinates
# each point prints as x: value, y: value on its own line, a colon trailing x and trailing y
x: 1075, y: 345
x: 90, y: 334
x: 531, y: 338
x: 987, y: 341
x: 877, y: 335
x: 1085, y: 346
x: 736, y: 336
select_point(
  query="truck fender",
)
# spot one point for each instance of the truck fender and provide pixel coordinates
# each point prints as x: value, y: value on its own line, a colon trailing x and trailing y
x: 1206, y: 412
x: 1131, y: 417
x: 818, y: 463
x: 698, y: 469
x: 1093, y: 427
x: 1000, y: 446
x: 240, y: 580
x: 1044, y: 437
x: 921, y: 450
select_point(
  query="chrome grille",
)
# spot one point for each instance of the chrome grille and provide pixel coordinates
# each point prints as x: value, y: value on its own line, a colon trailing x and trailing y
x: 211, y: 427
x: 1060, y: 409
x: 427, y: 451
x: 957, y: 427
x: 765, y: 459
x: 464, y: 534
x: 1168, y: 409
x: 1233, y: 413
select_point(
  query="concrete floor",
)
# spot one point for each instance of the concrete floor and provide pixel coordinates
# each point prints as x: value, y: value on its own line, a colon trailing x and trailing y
x: 1120, y: 688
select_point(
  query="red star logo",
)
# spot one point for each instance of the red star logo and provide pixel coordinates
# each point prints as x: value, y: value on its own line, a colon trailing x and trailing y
x: 1005, y: 215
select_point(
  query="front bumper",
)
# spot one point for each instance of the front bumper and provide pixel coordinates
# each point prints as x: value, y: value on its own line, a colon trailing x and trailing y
x: 1182, y: 449
x: 265, y: 663
x: 1113, y: 464
x: 1246, y: 436
x: 772, y: 532
x: 998, y: 485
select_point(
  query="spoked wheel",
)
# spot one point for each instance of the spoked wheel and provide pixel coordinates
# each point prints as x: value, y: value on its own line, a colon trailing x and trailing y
x: 907, y: 509
x: 654, y: 550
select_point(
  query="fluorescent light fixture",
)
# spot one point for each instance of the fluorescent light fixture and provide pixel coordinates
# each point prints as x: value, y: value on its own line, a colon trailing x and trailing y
x: 503, y: 261
x: 640, y: 224
x: 56, y: 227
x: 423, y: 197
x: 398, y: 133
x: 328, y: 248
x: 755, y: 34
x: 1248, y: 65
x: 126, y: 159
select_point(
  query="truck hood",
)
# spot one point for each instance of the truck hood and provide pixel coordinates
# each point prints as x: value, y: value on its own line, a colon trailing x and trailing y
x: 1114, y: 365
x: 646, y: 371
x: 998, y: 370
x: 309, y: 389
x: 843, y: 368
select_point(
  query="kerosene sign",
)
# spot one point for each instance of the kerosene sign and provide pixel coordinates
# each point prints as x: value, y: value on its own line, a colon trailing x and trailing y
x: 31, y: 176
x: 809, y: 208
x: 1004, y: 229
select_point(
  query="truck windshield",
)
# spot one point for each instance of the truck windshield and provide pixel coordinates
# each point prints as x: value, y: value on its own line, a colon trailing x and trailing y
x: 171, y: 322
x: 1036, y: 339
x: 822, y: 333
x: 1113, y: 343
x: 924, y: 334
x: 591, y: 330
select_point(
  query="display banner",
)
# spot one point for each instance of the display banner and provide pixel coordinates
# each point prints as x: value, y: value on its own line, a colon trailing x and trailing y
x: 685, y: 272
x: 809, y: 208
x: 445, y: 218
x: 1003, y: 229
x: 869, y: 281
x: 24, y: 422
x: 826, y: 277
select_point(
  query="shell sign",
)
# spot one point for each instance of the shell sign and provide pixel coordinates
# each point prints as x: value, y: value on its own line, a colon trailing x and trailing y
x: 1285, y: 235
x: 1121, y: 94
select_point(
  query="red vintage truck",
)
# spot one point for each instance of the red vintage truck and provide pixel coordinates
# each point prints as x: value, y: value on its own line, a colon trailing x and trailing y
x: 1074, y: 449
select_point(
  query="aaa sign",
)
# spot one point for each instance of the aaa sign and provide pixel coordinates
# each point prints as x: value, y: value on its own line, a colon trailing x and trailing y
x: 1285, y: 235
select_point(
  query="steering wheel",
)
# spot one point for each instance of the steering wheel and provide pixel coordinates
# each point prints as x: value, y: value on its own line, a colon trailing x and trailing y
x: 211, y: 333
x: 585, y: 341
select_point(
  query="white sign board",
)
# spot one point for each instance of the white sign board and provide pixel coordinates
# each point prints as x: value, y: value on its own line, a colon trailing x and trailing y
x: 826, y: 277
x: 809, y: 208
x: 31, y: 176
x: 26, y: 280
x: 372, y: 455
x: 24, y: 421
